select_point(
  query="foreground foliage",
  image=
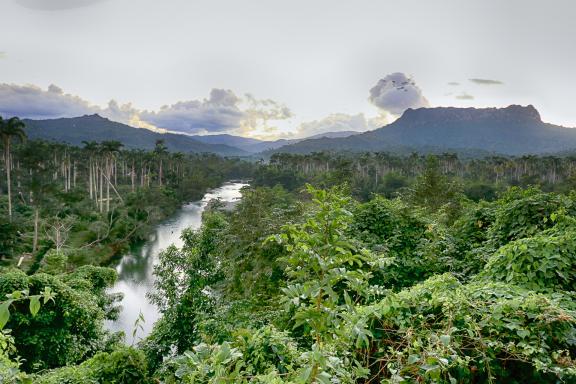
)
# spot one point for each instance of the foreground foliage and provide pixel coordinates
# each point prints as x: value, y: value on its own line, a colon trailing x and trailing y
x: 315, y: 286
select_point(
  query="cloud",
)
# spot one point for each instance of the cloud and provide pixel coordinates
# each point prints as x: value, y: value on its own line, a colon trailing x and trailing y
x: 464, y: 96
x: 222, y: 111
x: 34, y: 102
x: 259, y: 112
x: 218, y: 113
x: 56, y: 5
x: 486, y: 82
x: 339, y: 122
x: 453, y: 83
x: 3, y: 55
x: 396, y: 93
x: 126, y: 113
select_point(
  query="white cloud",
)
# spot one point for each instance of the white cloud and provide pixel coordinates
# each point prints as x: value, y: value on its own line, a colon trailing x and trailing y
x: 397, y: 92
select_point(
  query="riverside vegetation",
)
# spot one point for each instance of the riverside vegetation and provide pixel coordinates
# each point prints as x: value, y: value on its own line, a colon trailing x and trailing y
x: 331, y: 269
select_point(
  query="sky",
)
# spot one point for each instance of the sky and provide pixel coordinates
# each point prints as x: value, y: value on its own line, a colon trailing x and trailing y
x: 269, y: 68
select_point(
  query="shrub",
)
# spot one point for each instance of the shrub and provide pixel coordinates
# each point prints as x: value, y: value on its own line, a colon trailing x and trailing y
x: 445, y: 332
x: 123, y: 366
x: 64, y: 332
x: 544, y: 262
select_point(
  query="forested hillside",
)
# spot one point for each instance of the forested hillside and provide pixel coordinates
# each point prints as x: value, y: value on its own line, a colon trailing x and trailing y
x: 368, y: 268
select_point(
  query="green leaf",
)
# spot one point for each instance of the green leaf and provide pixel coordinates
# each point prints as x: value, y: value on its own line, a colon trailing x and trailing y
x: 413, y: 359
x: 523, y: 333
x: 445, y: 339
x: 34, y: 305
x: 4, y: 313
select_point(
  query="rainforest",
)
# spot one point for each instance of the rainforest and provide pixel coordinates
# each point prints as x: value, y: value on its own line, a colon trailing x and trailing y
x: 370, y: 268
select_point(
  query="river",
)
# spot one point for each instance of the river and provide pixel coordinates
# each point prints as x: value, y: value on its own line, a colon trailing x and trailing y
x: 135, y: 268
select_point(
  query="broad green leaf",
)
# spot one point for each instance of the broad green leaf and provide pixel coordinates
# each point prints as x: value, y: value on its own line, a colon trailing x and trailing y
x: 34, y: 305
x: 445, y: 339
x: 4, y: 313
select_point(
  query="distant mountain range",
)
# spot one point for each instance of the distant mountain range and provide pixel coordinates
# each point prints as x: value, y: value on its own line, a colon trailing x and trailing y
x: 255, y: 145
x: 513, y: 130
x: 96, y: 128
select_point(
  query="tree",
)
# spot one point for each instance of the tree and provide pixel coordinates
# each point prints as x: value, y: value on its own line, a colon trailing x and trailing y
x: 39, y: 182
x: 432, y: 190
x: 327, y: 276
x: 67, y: 330
x: 160, y: 151
x: 182, y: 290
x: 110, y: 149
x: 9, y: 129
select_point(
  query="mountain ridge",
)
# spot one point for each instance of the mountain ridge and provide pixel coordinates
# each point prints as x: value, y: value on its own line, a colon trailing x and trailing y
x: 75, y: 130
x: 513, y: 130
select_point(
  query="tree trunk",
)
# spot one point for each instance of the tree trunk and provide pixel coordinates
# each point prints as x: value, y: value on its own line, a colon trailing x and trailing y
x: 101, y: 190
x: 35, y: 241
x: 108, y: 175
x: 8, y: 183
x: 132, y: 175
x: 160, y: 174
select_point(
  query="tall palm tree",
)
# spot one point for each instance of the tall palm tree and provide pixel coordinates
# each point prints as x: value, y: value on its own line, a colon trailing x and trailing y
x: 92, y: 148
x: 9, y: 129
x: 110, y: 149
x: 160, y: 151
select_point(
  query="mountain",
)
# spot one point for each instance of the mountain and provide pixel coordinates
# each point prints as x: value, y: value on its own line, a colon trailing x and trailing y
x: 96, y: 128
x: 255, y: 145
x: 513, y: 130
x: 333, y: 135
x: 231, y: 140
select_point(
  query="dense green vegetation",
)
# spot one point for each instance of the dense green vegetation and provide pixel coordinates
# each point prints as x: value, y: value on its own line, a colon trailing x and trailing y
x: 91, y: 202
x: 379, y: 270
x: 387, y: 174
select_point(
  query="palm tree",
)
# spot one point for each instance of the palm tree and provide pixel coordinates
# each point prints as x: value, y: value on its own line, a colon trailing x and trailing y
x: 160, y: 150
x: 92, y: 147
x: 110, y: 149
x: 9, y: 129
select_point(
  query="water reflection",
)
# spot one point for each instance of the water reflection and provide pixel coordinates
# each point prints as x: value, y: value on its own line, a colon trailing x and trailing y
x: 135, y: 269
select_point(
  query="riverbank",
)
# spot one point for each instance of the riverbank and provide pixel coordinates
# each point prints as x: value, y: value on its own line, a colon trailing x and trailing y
x: 135, y: 266
x: 101, y: 239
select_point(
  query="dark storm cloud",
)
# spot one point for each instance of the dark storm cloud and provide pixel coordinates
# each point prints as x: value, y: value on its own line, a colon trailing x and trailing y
x: 486, y: 81
x: 396, y: 93
x: 56, y: 5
